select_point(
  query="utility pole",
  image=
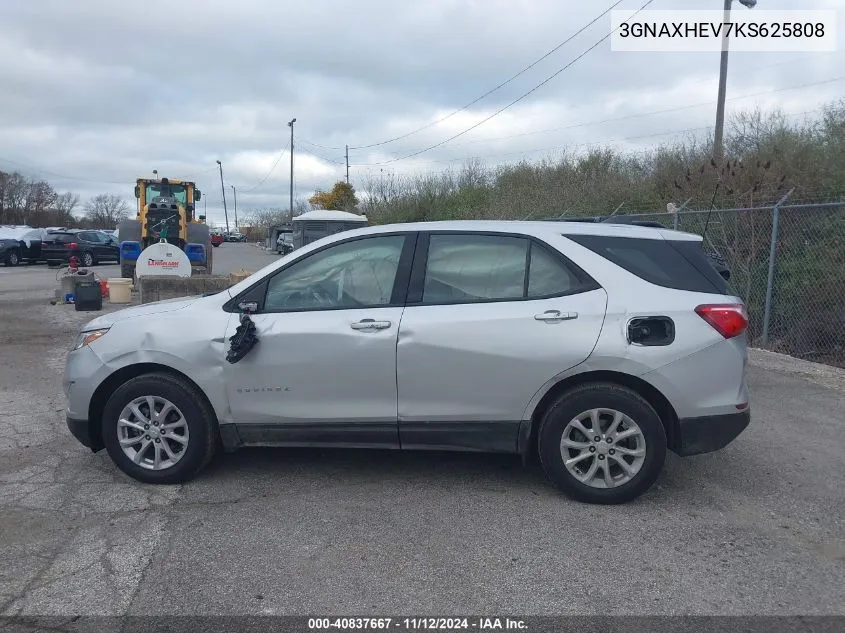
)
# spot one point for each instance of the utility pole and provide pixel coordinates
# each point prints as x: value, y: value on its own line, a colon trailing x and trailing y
x: 235, y: 194
x: 290, y: 125
x: 223, y: 189
x: 718, y: 149
x: 347, y: 164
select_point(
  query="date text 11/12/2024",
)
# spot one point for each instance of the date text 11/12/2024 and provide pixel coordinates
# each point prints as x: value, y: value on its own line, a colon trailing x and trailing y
x: 421, y: 623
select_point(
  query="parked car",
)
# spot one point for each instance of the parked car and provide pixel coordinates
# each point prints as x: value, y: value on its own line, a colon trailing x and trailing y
x: 595, y: 347
x: 217, y: 239
x: 284, y: 243
x: 90, y: 247
x: 10, y: 252
x: 26, y: 246
x: 235, y: 236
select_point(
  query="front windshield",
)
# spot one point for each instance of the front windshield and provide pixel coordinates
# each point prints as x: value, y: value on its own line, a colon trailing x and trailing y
x: 155, y: 190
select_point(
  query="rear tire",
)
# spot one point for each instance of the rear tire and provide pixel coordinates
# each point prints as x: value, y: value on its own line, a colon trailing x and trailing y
x: 641, y: 443
x: 193, y: 438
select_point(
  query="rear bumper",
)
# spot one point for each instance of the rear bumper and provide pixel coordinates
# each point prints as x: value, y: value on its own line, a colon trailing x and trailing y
x: 55, y: 255
x: 709, y: 433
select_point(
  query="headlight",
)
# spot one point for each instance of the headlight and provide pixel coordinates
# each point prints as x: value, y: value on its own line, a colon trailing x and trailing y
x: 86, y: 338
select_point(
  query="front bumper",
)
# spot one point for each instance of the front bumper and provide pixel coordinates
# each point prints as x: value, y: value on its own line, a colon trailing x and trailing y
x: 81, y: 430
x: 709, y: 433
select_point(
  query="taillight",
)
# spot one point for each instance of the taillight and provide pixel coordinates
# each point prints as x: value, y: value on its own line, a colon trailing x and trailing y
x: 729, y: 319
x: 73, y: 246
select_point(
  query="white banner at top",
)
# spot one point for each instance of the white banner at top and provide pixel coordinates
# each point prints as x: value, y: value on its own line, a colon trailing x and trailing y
x: 744, y: 30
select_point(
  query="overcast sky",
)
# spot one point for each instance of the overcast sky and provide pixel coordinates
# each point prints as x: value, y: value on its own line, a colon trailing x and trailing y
x: 95, y: 93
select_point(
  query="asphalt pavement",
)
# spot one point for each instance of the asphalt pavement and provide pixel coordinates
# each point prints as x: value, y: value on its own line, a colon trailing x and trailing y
x: 756, y: 528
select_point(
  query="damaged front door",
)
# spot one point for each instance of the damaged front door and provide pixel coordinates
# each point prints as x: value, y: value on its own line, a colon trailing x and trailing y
x: 323, y: 369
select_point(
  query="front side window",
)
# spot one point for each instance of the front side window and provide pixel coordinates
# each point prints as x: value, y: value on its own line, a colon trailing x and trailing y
x: 355, y: 274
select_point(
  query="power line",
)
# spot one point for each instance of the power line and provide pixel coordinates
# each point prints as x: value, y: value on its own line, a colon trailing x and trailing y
x: 512, y: 103
x: 328, y: 160
x: 269, y: 173
x: 802, y: 58
x: 501, y: 85
x: 307, y: 142
x: 595, y: 143
x: 641, y: 114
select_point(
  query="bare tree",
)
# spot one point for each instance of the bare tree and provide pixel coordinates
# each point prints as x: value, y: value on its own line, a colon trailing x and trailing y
x: 105, y: 211
x: 64, y: 205
x: 40, y: 196
x: 13, y: 190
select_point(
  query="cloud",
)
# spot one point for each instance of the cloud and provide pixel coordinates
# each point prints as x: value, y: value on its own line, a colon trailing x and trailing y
x: 94, y: 94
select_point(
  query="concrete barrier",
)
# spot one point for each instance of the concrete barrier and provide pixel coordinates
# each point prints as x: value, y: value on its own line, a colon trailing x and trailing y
x: 158, y: 288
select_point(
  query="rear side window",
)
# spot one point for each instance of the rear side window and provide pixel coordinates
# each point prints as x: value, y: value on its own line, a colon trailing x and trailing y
x: 64, y: 238
x: 466, y: 268
x: 678, y: 264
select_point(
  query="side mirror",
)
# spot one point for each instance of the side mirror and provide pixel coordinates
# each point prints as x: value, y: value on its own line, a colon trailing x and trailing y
x: 197, y: 195
x: 137, y: 191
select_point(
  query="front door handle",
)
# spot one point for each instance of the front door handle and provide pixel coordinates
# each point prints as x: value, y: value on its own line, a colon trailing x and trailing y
x: 370, y: 324
x: 554, y: 316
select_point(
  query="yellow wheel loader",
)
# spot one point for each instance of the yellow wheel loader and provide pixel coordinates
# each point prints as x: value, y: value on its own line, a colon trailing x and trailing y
x: 165, y: 211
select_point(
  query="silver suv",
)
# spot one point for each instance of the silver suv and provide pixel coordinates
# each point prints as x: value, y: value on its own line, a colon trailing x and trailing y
x: 592, y: 346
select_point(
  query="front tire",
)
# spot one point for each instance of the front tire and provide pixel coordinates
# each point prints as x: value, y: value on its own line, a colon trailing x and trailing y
x: 159, y: 429
x: 602, y: 443
x: 87, y: 259
x: 13, y: 258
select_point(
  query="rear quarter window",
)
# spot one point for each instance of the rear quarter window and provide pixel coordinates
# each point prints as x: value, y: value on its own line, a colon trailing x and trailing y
x: 678, y: 264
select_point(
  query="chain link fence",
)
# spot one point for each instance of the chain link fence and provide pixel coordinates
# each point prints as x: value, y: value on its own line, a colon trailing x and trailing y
x: 788, y: 265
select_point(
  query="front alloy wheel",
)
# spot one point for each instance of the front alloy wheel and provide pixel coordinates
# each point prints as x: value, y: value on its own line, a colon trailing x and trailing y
x: 159, y: 428
x: 153, y: 432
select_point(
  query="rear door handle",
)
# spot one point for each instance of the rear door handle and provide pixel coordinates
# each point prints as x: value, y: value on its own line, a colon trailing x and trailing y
x: 370, y: 324
x: 554, y: 316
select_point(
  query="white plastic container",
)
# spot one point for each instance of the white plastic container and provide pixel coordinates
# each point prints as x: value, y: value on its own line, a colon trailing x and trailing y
x: 120, y: 290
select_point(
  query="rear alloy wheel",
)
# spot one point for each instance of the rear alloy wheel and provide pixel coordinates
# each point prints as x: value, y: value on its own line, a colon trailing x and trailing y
x: 87, y: 259
x: 13, y: 258
x: 602, y: 443
x: 159, y: 429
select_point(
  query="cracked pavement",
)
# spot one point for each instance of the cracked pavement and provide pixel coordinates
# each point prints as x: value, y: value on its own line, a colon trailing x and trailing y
x: 756, y: 528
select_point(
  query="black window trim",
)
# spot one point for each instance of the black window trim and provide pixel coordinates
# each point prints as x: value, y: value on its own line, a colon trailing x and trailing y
x: 418, y: 270
x: 258, y: 291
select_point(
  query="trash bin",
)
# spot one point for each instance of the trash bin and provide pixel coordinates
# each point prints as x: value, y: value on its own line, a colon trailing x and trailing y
x: 69, y: 281
x: 120, y: 290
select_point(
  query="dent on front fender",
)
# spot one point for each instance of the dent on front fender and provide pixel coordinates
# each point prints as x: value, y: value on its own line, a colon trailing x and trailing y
x: 196, y: 350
